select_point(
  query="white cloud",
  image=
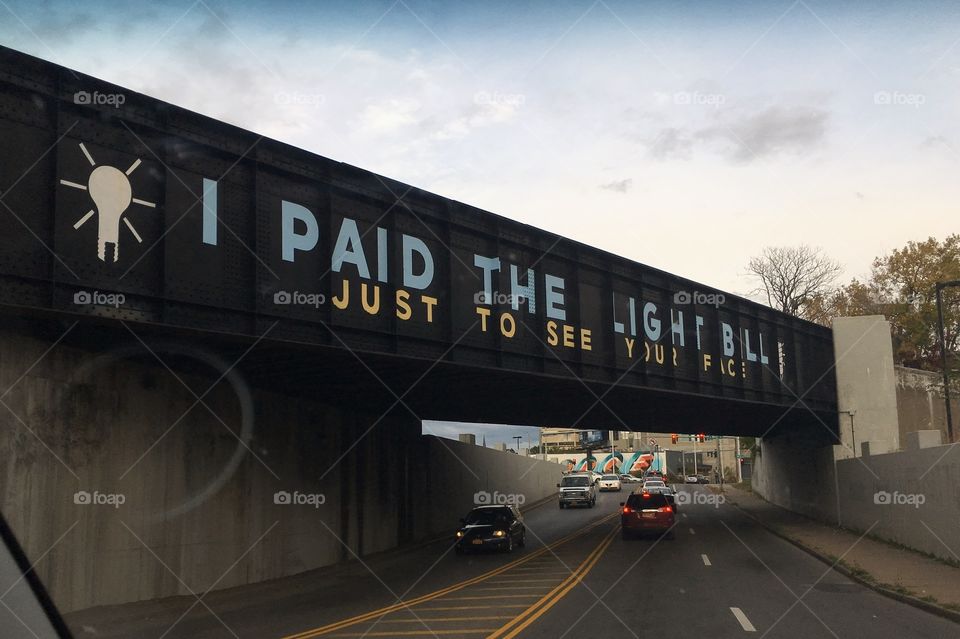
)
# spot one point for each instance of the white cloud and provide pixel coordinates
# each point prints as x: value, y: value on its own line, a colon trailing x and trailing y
x: 387, y: 116
x: 618, y: 186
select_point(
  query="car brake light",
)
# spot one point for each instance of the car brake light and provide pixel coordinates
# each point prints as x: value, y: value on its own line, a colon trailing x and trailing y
x: 665, y: 509
x: 646, y: 495
x: 627, y: 510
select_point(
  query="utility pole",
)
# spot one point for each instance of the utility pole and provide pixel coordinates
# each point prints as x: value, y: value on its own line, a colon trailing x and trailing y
x: 739, y: 465
x: 695, y: 454
x: 943, y: 354
x: 719, y: 462
x: 518, y: 438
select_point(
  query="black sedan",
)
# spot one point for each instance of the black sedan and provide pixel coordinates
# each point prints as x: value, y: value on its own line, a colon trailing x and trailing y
x: 491, y: 527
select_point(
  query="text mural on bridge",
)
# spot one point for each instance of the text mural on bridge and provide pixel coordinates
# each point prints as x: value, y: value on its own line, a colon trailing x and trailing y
x: 143, y: 211
x: 361, y: 274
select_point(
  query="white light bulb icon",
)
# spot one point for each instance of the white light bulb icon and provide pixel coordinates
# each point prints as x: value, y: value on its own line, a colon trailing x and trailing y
x: 111, y: 193
x: 110, y: 190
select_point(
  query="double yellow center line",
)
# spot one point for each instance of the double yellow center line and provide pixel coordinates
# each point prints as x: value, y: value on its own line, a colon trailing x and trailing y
x: 545, y: 603
x: 400, y: 605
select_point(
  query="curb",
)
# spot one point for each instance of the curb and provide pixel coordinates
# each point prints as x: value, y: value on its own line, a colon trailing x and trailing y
x: 927, y: 606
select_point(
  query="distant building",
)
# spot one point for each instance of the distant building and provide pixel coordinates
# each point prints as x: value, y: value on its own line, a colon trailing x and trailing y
x: 563, y: 440
x: 500, y: 446
x: 468, y: 438
x: 560, y: 440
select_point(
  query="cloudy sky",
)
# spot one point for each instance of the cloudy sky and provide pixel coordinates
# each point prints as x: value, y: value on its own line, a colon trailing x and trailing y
x: 684, y: 135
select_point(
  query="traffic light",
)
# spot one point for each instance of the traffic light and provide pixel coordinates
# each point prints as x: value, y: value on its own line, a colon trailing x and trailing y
x: 674, y: 438
x: 702, y: 438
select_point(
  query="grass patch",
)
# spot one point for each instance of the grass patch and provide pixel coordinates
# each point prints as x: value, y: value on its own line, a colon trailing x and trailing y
x: 856, y: 571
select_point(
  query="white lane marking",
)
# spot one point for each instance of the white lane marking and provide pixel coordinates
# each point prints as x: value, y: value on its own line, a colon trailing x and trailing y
x: 693, y: 532
x: 706, y: 560
x: 742, y: 618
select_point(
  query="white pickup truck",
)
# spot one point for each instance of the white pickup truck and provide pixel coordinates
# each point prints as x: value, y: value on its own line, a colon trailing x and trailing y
x: 577, y: 489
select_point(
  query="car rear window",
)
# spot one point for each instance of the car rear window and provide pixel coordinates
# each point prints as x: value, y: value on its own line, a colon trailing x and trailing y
x: 610, y: 477
x: 647, y: 500
x: 575, y: 481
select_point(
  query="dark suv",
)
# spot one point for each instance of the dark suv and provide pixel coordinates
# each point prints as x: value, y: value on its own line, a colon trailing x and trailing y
x: 491, y: 527
x: 647, y: 512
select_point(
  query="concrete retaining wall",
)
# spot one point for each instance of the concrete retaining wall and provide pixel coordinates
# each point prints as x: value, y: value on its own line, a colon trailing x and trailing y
x: 920, y: 402
x: 932, y: 526
x: 805, y: 480
x: 453, y: 473
x: 797, y: 474
x: 194, y: 496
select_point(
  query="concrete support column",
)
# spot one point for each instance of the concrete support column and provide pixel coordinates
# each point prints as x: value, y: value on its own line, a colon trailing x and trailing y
x: 866, y: 386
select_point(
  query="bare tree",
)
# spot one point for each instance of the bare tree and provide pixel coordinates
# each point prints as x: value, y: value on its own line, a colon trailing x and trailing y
x: 791, y: 277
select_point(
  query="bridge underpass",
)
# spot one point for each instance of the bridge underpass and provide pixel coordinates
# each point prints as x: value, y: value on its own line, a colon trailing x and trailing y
x: 431, y: 310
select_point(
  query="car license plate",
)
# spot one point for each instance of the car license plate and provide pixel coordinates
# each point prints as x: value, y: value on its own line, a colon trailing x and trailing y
x: 477, y: 542
x: 648, y: 515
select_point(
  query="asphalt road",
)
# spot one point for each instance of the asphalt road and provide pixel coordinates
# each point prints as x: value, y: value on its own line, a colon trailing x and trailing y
x: 721, y: 576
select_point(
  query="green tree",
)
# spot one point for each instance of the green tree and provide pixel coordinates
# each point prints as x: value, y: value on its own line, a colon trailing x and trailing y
x: 901, y: 287
x: 906, y: 280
